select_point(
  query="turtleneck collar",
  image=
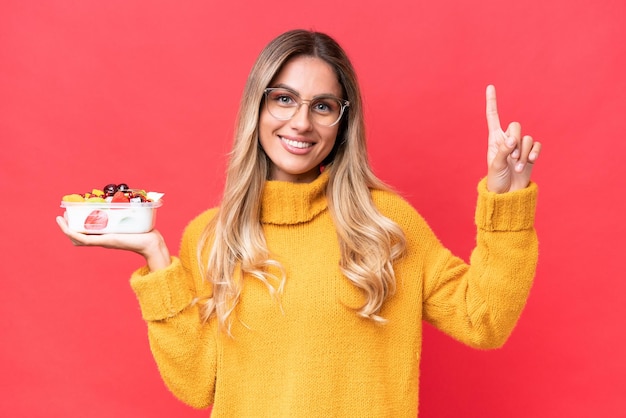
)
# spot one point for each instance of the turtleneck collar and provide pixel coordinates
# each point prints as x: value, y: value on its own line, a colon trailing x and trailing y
x: 285, y: 203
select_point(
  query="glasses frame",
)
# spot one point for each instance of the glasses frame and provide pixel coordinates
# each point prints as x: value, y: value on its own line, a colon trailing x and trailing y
x: 344, y: 104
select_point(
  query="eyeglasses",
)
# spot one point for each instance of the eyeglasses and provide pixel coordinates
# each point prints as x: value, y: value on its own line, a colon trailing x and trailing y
x: 283, y: 104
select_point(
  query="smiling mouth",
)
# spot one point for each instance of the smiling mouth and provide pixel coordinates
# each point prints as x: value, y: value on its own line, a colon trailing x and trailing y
x: 296, y: 144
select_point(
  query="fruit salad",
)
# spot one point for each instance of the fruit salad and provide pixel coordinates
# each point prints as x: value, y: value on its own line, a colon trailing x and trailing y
x: 116, y: 208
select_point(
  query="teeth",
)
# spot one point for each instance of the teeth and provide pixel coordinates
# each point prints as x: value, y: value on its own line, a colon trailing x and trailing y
x: 297, y: 144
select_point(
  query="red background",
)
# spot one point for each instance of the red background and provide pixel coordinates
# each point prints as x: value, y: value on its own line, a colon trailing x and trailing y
x: 145, y: 92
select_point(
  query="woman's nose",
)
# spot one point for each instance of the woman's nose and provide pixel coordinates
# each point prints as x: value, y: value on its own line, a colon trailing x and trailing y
x: 302, y: 118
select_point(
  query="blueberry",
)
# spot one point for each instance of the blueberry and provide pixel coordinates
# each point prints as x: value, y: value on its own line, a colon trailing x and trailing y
x: 110, y: 189
x: 122, y: 187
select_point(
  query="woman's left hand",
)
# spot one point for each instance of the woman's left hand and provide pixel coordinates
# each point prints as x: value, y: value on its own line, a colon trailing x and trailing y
x: 510, y: 156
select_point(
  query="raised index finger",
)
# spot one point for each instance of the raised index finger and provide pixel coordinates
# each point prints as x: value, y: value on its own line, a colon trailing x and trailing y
x: 493, y: 120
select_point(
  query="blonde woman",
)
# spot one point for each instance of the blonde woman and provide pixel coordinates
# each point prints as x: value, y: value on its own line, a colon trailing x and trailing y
x: 303, y: 293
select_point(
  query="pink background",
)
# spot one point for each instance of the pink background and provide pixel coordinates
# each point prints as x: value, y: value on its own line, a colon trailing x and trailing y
x: 145, y: 92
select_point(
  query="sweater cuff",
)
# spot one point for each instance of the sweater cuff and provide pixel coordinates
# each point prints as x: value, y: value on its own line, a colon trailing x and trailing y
x: 161, y: 294
x: 512, y: 211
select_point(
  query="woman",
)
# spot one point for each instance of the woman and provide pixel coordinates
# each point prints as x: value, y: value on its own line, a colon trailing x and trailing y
x: 303, y: 294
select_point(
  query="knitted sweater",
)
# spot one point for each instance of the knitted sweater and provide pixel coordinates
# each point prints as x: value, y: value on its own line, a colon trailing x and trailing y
x: 311, y: 355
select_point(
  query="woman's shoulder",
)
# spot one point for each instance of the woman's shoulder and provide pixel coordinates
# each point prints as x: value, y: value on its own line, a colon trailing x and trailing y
x: 392, y: 204
x: 398, y: 209
x: 203, y: 218
x: 197, y: 225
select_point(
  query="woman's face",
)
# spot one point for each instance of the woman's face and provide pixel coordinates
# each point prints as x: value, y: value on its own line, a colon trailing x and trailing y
x: 297, y: 147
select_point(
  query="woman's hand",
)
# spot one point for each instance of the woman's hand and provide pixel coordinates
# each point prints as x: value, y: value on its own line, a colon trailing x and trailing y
x: 150, y: 245
x: 510, y: 156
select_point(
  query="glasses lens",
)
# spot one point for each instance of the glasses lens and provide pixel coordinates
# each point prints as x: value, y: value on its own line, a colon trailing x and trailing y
x: 325, y: 111
x: 283, y: 105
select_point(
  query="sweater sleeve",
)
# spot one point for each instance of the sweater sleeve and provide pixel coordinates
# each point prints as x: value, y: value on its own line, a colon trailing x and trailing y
x: 479, y: 303
x: 182, y: 345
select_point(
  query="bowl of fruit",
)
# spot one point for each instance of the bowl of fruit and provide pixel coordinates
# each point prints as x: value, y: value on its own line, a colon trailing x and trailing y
x: 114, y: 209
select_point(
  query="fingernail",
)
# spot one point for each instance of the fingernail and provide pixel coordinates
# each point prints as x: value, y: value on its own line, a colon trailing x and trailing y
x: 519, y: 167
x: 510, y: 141
x: 515, y: 153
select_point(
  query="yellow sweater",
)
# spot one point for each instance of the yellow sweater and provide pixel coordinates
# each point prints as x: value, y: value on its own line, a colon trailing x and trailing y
x: 315, y: 357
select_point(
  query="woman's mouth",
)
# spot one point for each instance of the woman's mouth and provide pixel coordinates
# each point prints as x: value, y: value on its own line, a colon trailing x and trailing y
x: 296, y: 144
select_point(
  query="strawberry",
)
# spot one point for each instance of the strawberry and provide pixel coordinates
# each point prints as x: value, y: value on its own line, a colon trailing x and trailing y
x: 96, y: 220
x: 120, y: 197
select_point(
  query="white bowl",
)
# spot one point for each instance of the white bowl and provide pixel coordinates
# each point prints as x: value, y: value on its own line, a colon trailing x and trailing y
x: 109, y: 218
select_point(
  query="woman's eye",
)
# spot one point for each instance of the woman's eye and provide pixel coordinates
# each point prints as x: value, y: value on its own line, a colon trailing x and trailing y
x: 284, y: 100
x: 322, y: 107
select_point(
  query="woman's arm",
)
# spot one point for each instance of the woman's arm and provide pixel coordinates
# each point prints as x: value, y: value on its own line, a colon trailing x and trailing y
x: 480, y: 303
x: 182, y: 344
x: 168, y: 289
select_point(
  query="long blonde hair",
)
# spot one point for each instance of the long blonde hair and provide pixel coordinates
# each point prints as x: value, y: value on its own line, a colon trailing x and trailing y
x: 234, y: 241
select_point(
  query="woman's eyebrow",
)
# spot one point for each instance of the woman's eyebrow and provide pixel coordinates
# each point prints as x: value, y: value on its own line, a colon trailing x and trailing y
x: 286, y: 87
x: 294, y: 91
